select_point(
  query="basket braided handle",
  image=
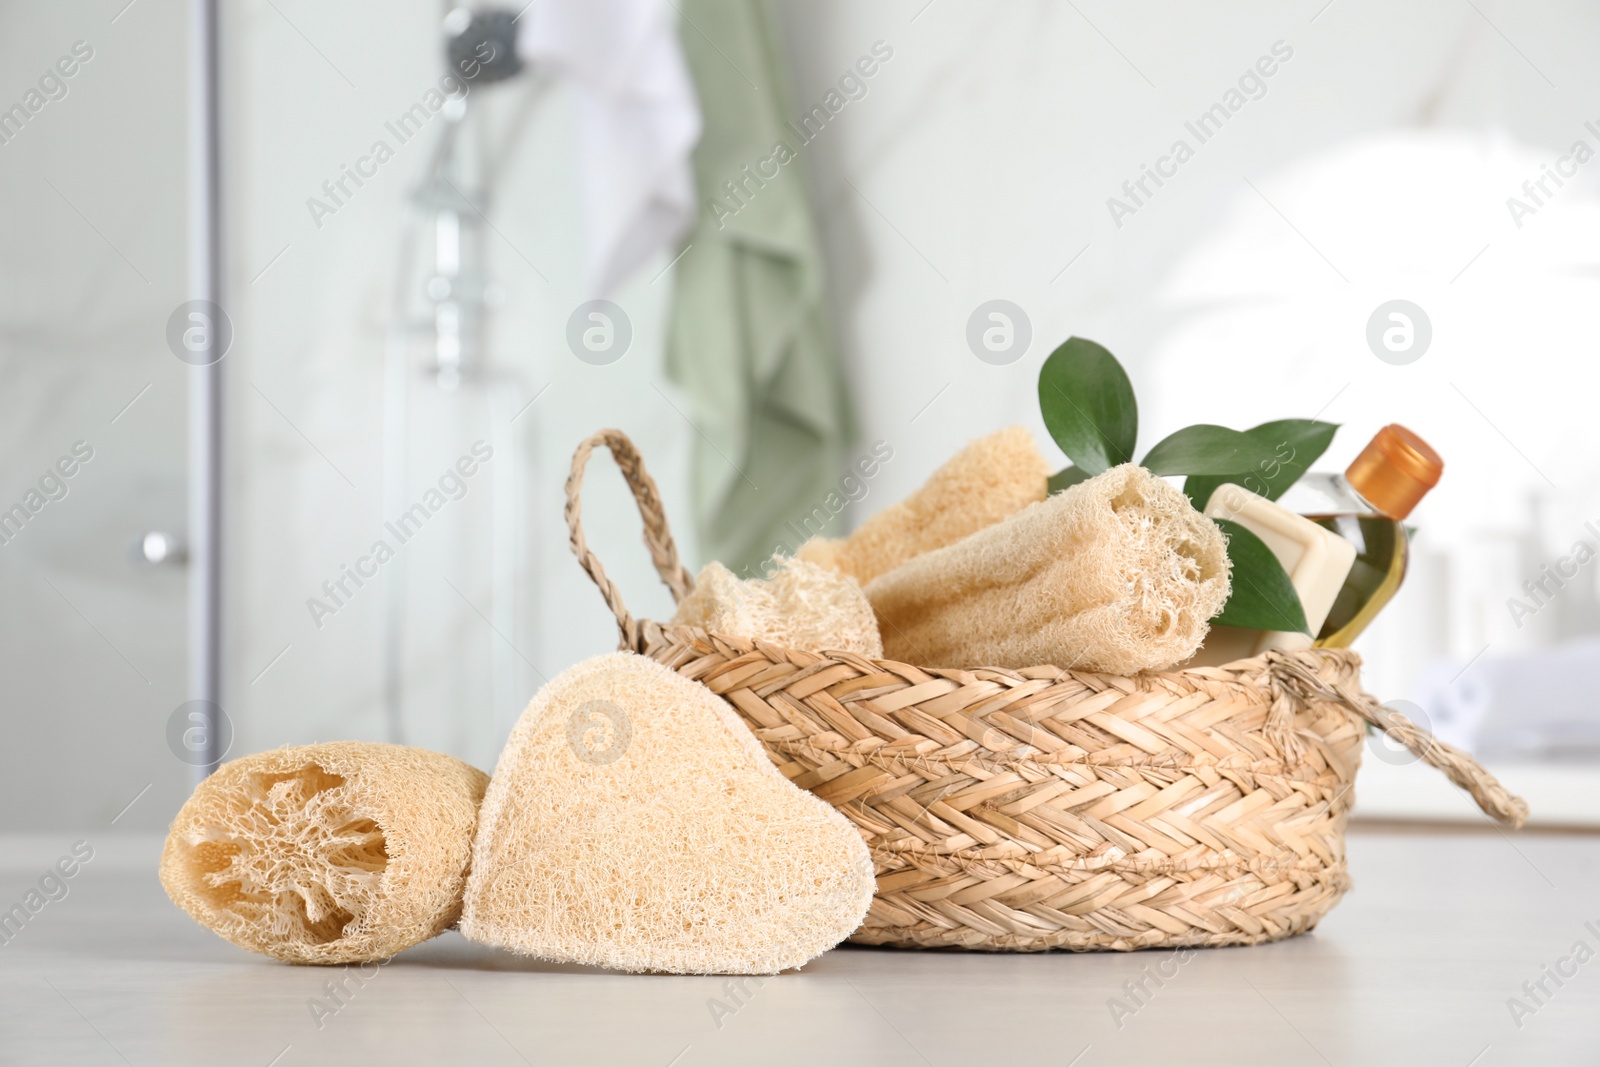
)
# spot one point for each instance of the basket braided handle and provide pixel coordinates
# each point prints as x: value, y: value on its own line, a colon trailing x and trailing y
x: 1293, y: 674
x: 657, y: 536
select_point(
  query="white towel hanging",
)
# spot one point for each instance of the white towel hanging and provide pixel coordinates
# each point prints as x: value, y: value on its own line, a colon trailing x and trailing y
x: 640, y: 121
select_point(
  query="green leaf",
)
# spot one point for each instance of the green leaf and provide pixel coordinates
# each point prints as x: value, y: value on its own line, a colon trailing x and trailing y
x: 1295, y: 443
x: 1088, y: 406
x: 1067, y: 477
x: 1263, y: 598
x: 1206, y: 449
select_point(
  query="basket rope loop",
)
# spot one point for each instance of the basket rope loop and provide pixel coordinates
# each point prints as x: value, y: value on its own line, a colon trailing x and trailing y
x: 657, y: 535
x: 1294, y: 680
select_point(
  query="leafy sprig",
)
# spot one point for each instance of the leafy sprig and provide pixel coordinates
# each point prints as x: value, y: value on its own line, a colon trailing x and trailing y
x: 1089, y: 408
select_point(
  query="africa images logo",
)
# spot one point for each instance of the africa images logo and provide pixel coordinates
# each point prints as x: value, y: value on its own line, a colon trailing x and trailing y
x: 599, y: 732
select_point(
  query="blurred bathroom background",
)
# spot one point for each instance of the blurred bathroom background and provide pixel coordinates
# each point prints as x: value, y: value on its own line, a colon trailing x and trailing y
x: 1377, y: 162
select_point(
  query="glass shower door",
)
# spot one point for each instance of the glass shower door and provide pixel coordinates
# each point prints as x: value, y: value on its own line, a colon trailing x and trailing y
x: 93, y: 410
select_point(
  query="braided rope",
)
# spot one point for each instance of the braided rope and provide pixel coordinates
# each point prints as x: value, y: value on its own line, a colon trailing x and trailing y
x: 1293, y: 674
x: 657, y: 535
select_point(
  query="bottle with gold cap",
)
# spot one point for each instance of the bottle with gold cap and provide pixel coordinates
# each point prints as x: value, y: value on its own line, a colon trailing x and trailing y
x: 1366, y: 506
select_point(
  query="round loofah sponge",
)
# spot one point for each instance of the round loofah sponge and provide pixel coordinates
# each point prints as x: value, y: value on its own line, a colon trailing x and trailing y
x: 1116, y: 574
x: 990, y: 479
x: 634, y: 823
x: 802, y: 606
x: 334, y: 853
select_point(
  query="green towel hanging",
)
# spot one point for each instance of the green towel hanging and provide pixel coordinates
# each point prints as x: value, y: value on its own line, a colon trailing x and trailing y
x: 749, y: 340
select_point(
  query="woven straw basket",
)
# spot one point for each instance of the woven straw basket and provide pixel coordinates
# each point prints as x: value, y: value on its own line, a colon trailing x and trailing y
x: 1021, y: 810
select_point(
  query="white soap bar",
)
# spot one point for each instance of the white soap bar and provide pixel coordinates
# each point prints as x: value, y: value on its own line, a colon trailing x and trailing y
x: 1317, y: 560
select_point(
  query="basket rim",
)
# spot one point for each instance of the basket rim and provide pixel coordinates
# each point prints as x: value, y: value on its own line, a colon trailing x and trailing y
x: 1252, y: 679
x: 1252, y: 672
x: 1224, y: 672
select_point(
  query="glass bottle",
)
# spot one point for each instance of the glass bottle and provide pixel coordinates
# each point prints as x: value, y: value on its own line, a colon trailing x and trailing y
x: 1366, y: 505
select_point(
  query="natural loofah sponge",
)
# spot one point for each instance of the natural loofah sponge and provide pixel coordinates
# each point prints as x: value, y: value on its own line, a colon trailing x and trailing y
x: 990, y: 479
x: 1117, y: 574
x: 335, y: 853
x: 802, y: 606
x: 633, y: 822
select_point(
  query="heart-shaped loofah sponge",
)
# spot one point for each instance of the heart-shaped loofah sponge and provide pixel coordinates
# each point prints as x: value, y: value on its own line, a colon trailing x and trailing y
x: 634, y: 823
x: 335, y: 853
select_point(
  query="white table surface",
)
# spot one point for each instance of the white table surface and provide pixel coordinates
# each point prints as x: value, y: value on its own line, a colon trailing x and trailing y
x: 1415, y: 966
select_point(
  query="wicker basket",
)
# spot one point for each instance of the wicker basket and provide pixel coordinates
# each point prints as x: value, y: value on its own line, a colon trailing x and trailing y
x: 1046, y: 808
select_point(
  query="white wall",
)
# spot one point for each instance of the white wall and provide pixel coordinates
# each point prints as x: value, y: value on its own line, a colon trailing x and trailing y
x: 977, y: 166
x: 981, y: 162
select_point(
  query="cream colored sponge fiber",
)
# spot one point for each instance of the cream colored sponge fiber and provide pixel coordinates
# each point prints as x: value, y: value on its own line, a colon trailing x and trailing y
x: 990, y: 479
x: 802, y: 606
x: 335, y: 853
x: 1116, y: 574
x: 633, y: 822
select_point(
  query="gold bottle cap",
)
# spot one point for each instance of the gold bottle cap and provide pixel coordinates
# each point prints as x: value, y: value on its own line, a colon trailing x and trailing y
x: 1395, y: 471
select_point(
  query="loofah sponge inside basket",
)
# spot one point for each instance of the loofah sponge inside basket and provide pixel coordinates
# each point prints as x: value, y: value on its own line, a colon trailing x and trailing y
x: 1116, y: 574
x: 635, y: 823
x: 802, y: 606
x: 332, y: 853
x: 990, y: 479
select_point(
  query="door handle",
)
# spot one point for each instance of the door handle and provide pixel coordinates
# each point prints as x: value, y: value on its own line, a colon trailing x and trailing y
x: 156, y: 548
